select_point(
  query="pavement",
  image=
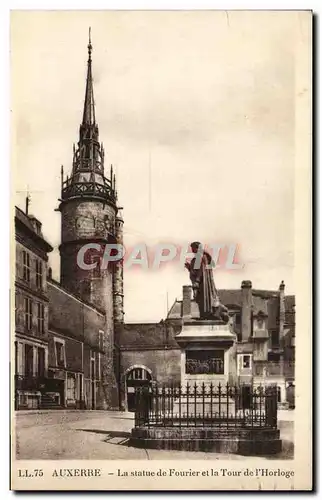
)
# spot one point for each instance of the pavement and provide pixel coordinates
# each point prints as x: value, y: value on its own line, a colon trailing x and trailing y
x: 104, y: 435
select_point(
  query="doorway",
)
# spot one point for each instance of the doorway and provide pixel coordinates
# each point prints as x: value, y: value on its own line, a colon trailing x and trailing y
x: 136, y: 377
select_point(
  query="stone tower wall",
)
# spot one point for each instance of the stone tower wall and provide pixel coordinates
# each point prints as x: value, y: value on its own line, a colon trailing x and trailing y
x: 87, y: 221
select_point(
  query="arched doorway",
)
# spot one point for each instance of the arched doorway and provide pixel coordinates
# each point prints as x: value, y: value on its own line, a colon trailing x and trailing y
x: 136, y: 376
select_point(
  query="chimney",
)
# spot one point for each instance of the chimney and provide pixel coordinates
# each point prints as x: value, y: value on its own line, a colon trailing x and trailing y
x: 282, y: 310
x: 186, y: 302
x: 247, y: 303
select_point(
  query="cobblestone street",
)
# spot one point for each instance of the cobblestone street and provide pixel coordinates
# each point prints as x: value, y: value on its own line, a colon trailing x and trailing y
x: 69, y: 434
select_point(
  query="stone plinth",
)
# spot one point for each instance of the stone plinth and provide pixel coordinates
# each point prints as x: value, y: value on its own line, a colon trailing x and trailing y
x: 208, y: 352
x: 206, y: 331
x: 261, y: 441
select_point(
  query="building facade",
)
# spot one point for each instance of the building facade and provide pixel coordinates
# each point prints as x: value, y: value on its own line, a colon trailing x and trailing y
x: 263, y: 353
x: 72, y: 348
x: 31, y: 310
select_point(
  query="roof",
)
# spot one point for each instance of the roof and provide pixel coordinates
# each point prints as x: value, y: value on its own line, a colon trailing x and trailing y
x: 148, y: 335
x: 32, y: 227
x: 265, y: 294
x: 264, y: 301
x: 175, y: 311
x: 230, y: 297
x: 58, y: 285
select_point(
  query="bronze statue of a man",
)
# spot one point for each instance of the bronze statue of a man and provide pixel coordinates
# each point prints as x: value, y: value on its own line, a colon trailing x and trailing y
x: 205, y: 294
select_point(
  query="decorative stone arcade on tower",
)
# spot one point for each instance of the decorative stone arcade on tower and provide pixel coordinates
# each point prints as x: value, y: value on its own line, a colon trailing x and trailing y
x: 90, y: 215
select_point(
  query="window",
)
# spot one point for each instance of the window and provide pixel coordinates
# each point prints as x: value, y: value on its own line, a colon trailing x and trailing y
x: 238, y: 319
x: 39, y: 270
x: 274, y: 356
x: 246, y: 361
x: 93, y: 375
x: 40, y: 318
x: 275, y: 338
x: 29, y: 360
x: 138, y: 374
x: 28, y: 313
x: 41, y: 361
x: 278, y: 394
x: 26, y: 266
x: 16, y: 308
x: 60, y: 354
x: 20, y: 358
x: 99, y: 366
x: 100, y: 339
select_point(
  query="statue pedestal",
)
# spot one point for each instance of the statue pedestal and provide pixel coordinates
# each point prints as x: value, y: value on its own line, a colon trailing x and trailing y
x: 208, y: 352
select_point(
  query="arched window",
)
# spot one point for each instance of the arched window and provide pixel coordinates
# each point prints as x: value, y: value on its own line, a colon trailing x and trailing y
x: 138, y: 374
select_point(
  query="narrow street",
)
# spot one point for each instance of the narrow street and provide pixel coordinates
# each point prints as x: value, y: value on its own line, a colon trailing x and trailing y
x: 102, y: 435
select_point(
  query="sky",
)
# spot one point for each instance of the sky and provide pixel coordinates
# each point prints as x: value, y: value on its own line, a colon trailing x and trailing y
x: 196, y: 111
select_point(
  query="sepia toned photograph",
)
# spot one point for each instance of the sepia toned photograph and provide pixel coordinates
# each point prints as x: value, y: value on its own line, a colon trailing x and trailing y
x: 154, y: 244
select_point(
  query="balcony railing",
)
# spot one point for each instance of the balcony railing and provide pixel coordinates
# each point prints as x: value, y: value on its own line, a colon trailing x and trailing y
x: 42, y: 384
x: 29, y: 383
x: 71, y: 189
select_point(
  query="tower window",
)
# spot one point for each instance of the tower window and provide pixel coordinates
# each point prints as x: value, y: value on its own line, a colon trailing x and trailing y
x: 26, y: 266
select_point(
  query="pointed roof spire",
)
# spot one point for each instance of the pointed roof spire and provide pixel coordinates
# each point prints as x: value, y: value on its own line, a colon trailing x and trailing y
x: 89, y: 108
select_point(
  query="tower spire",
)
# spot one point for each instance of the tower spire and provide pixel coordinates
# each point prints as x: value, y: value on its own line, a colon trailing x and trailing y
x: 89, y: 107
x: 87, y: 178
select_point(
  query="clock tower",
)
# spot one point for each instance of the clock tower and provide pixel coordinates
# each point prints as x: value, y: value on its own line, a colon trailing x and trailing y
x: 90, y: 219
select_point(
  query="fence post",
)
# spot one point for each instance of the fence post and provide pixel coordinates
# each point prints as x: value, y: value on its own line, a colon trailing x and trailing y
x: 271, y: 406
x: 137, y: 419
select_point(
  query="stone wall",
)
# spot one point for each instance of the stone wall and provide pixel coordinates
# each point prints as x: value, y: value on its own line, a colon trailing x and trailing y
x: 151, y: 346
x: 73, y: 352
x: 73, y: 317
x: 164, y: 365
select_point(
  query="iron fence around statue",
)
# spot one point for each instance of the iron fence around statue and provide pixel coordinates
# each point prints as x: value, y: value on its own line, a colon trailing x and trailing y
x: 204, y: 405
